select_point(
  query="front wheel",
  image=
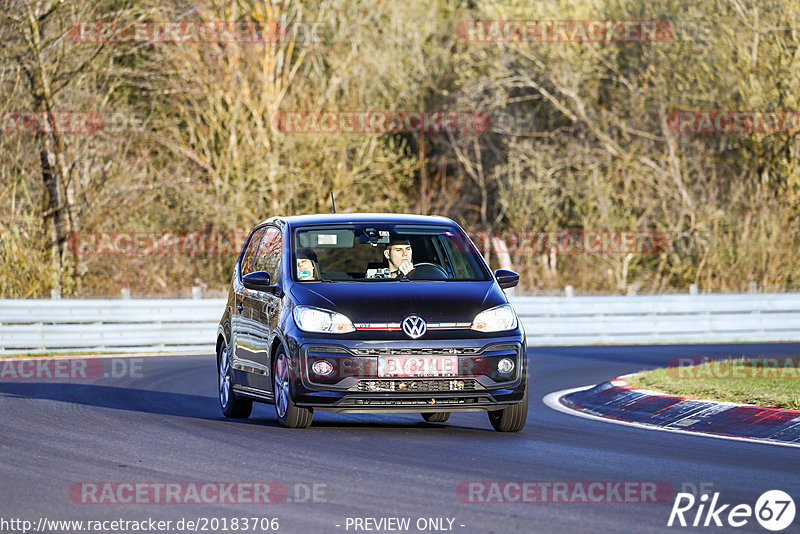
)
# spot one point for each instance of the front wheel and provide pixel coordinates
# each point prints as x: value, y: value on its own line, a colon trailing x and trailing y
x: 436, y: 417
x: 289, y: 414
x: 231, y: 406
x: 511, y: 418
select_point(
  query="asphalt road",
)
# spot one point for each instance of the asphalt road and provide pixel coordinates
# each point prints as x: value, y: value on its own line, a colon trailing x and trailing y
x: 161, y: 423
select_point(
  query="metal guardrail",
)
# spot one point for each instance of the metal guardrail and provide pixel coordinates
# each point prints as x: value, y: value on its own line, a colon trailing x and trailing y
x: 660, y: 319
x: 190, y: 325
x: 147, y: 325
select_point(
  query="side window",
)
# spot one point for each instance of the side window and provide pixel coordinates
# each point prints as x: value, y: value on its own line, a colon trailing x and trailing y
x: 425, y: 251
x: 268, y: 257
x: 250, y: 253
x: 458, y: 251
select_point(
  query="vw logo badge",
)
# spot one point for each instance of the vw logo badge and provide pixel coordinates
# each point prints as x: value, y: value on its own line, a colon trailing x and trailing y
x: 414, y: 326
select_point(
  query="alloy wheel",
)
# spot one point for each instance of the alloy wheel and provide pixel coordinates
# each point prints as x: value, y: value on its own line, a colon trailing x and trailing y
x: 281, y: 385
x: 224, y: 377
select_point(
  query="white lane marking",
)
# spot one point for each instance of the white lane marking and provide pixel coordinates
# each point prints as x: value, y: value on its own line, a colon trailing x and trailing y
x: 553, y: 401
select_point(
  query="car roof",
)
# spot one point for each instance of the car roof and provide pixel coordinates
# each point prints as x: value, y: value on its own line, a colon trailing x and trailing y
x: 378, y: 218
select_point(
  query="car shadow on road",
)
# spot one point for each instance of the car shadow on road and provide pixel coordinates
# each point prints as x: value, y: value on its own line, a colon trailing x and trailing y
x: 201, y: 407
x: 117, y: 398
x: 329, y: 421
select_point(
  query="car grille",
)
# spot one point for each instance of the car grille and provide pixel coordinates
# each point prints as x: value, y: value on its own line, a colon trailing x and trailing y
x: 416, y: 385
x: 383, y: 351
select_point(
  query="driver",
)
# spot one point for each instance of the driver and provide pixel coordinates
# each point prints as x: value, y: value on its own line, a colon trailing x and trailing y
x: 398, y: 254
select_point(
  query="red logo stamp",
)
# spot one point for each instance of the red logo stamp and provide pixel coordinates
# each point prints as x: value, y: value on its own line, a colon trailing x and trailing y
x: 564, y: 31
x: 154, y: 243
x: 566, y: 492
x: 35, y: 122
x: 767, y: 368
x: 177, y: 493
x: 380, y: 122
x: 578, y: 241
x: 734, y: 122
x: 176, y: 31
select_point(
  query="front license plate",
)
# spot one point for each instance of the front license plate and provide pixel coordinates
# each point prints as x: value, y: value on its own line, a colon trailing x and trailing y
x: 421, y: 366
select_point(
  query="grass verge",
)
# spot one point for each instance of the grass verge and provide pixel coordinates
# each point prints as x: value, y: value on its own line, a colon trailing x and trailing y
x: 772, y: 382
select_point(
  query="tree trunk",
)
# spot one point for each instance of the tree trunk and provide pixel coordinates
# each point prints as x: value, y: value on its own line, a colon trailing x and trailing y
x: 52, y: 156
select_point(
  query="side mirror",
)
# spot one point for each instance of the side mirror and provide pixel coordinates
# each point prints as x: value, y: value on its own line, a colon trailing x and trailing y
x: 257, y: 281
x: 507, y: 279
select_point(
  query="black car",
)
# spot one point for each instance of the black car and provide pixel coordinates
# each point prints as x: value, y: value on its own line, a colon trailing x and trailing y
x: 370, y: 313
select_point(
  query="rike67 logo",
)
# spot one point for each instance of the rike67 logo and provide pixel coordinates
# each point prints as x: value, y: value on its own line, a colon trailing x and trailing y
x: 774, y: 510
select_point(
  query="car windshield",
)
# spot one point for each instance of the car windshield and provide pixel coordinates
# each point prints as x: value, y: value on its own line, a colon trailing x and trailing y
x: 382, y: 252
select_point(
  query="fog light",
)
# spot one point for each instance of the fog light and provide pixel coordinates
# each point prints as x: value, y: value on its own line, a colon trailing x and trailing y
x: 322, y: 367
x: 506, y: 365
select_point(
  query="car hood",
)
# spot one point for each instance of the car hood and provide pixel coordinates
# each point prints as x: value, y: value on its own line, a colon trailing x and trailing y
x: 385, y: 302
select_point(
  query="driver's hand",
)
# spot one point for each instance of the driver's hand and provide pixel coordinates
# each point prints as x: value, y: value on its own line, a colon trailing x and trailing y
x: 406, y: 267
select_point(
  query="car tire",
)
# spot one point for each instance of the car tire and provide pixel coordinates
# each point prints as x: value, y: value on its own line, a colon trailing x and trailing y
x: 289, y: 414
x: 436, y: 417
x: 511, y: 418
x: 231, y: 405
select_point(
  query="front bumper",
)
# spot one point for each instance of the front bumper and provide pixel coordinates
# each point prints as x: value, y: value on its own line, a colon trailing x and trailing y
x: 356, y: 387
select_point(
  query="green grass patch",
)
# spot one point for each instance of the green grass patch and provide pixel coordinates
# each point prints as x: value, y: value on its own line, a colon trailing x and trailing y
x: 772, y: 382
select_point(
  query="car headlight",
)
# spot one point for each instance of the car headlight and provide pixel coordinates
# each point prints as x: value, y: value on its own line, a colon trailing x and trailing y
x: 495, y: 319
x: 324, y: 321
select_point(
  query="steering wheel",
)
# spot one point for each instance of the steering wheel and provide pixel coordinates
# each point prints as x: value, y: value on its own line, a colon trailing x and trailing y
x: 427, y: 271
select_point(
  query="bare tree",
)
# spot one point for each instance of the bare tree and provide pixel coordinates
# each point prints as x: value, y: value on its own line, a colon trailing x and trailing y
x: 51, y: 76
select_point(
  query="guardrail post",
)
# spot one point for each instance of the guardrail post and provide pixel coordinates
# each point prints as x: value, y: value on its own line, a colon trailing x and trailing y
x: 693, y: 289
x: 55, y: 294
x: 753, y: 287
x: 569, y: 291
x: 126, y: 293
x: 197, y: 292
